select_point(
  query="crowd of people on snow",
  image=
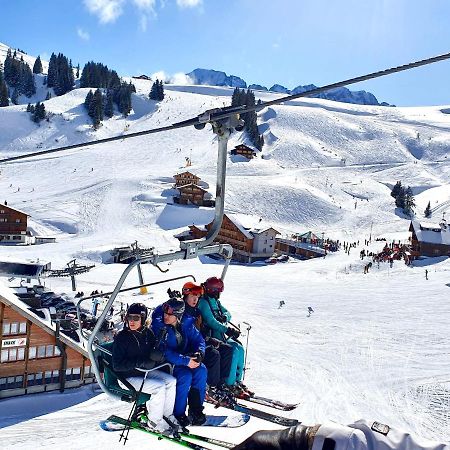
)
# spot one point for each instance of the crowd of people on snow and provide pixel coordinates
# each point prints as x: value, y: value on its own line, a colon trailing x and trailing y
x: 192, y: 331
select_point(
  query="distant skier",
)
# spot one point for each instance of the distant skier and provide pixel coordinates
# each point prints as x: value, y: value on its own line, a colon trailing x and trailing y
x: 426, y: 274
x: 282, y: 303
x: 310, y: 310
x: 361, y: 435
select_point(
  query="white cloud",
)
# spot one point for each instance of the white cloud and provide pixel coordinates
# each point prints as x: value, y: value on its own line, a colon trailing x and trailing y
x: 189, y: 3
x: 83, y: 34
x: 146, y: 5
x: 180, y: 78
x: 106, y: 10
x: 161, y: 75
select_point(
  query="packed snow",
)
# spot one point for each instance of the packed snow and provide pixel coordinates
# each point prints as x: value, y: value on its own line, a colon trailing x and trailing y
x: 376, y: 345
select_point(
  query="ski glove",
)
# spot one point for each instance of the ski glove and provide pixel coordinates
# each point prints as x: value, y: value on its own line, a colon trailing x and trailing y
x: 198, y: 356
x: 232, y: 333
x: 294, y: 438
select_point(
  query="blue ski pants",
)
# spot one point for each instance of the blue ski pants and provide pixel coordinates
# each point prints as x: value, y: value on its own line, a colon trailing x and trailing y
x: 186, y: 379
x: 237, y: 363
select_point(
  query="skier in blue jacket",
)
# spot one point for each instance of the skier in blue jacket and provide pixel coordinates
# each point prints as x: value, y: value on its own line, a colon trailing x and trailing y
x: 184, y: 347
x: 215, y: 321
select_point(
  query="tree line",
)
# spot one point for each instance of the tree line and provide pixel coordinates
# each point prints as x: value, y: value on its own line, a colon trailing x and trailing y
x: 247, y: 98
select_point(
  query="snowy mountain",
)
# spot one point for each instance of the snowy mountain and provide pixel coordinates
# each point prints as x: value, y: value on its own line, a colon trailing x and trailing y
x: 376, y: 344
x: 215, y: 78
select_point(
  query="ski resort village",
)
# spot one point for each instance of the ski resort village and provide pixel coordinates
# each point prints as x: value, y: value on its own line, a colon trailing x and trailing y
x: 185, y: 261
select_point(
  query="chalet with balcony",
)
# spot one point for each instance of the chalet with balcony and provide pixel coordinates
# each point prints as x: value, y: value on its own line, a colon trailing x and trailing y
x: 191, y: 194
x: 243, y: 150
x: 250, y: 243
x: 35, y: 356
x: 429, y: 239
x: 14, y: 226
x: 303, y: 246
x: 184, y: 178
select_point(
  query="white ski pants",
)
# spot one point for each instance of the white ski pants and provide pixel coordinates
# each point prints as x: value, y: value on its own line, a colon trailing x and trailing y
x: 162, y: 388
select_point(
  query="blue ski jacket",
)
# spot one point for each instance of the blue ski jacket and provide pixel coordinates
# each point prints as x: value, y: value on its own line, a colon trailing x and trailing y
x: 177, y: 343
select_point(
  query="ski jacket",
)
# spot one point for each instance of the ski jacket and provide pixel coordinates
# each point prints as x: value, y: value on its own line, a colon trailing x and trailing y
x: 133, y: 349
x: 365, y: 435
x: 212, y: 312
x: 177, y: 342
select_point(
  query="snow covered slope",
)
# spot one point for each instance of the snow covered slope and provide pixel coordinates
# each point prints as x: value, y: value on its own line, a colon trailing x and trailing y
x: 376, y: 343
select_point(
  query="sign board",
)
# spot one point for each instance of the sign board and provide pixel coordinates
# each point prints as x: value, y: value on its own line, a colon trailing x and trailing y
x: 18, y: 342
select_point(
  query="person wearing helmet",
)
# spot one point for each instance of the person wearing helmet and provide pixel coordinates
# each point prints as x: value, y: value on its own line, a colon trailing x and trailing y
x: 215, y: 319
x: 184, y: 347
x: 133, y: 348
x: 361, y: 435
x: 218, y: 354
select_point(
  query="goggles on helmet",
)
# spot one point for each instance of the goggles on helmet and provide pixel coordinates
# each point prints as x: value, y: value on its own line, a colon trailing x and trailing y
x: 169, y: 310
x: 198, y: 290
x: 134, y: 317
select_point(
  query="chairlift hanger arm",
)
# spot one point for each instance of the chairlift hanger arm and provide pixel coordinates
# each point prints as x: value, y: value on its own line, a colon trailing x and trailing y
x: 217, y: 114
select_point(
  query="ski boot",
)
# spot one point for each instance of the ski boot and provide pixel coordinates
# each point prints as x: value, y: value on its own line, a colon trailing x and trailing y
x: 140, y: 414
x: 240, y: 390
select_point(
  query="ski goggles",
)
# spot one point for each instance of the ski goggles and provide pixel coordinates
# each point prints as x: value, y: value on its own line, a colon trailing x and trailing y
x: 198, y: 290
x: 134, y: 317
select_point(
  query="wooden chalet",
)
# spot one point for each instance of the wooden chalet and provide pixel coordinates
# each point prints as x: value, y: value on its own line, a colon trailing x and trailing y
x: 35, y: 357
x: 243, y: 150
x: 181, y: 179
x: 14, y: 226
x: 429, y: 239
x: 249, y: 243
x: 191, y: 194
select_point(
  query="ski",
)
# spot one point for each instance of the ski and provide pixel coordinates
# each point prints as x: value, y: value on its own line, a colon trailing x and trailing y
x: 284, y: 421
x: 112, y: 423
x: 268, y: 402
x: 115, y: 423
x: 226, y: 421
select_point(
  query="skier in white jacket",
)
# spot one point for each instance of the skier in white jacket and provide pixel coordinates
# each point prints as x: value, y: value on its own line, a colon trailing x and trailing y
x: 361, y: 435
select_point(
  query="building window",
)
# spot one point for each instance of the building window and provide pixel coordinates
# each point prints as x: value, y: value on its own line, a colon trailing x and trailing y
x: 57, y: 351
x: 3, y: 219
x: 2, y: 211
x: 30, y: 379
x: 41, y: 351
x: 14, y: 328
x: 13, y: 354
x: 32, y: 352
x: 17, y: 220
x: 16, y: 238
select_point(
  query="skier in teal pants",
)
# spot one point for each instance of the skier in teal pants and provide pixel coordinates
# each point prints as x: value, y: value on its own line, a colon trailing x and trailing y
x: 215, y: 318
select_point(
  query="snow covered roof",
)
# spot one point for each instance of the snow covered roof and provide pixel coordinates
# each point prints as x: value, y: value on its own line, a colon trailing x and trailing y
x: 431, y: 233
x: 248, y: 228
x: 14, y: 209
x: 8, y: 297
x: 181, y: 188
x: 186, y: 172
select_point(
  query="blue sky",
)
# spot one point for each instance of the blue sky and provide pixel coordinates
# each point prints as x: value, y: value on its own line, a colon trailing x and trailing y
x: 289, y: 42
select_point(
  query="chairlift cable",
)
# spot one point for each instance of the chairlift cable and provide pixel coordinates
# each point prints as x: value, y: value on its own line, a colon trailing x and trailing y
x: 223, y: 113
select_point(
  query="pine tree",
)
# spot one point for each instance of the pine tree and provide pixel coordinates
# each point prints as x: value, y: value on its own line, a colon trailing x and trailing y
x: 409, y: 202
x: 400, y: 199
x: 396, y: 189
x: 4, y: 101
x: 78, y: 71
x: 109, y: 106
x: 39, y: 112
x: 37, y: 67
x: 88, y: 99
x: 160, y: 91
x: 52, y: 71
x: 15, y: 96
x: 427, y: 211
x: 29, y: 107
x: 98, y: 108
x: 27, y: 85
x: 153, y: 95
x: 48, y: 96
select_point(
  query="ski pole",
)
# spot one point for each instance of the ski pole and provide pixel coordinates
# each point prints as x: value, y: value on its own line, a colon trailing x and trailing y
x: 249, y: 327
x: 126, y: 430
